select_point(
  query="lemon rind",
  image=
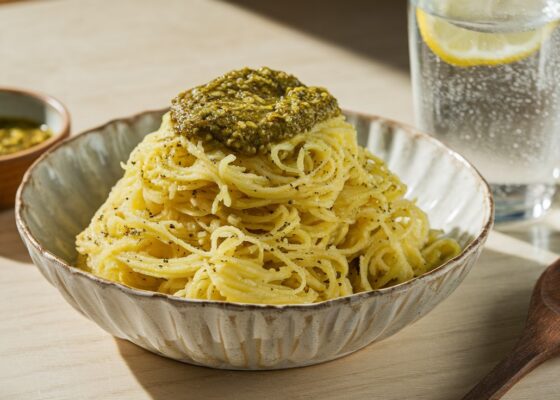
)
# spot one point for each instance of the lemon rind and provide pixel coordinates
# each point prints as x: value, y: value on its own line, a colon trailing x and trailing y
x: 432, y: 43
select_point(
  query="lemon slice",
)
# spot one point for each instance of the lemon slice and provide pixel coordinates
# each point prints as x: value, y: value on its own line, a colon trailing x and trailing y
x: 465, y: 47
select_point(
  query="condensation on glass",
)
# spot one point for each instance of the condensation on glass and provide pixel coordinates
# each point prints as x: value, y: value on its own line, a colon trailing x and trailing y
x: 502, y: 113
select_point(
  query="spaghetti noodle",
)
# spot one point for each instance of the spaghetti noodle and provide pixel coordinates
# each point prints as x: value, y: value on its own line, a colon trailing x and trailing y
x: 315, y: 218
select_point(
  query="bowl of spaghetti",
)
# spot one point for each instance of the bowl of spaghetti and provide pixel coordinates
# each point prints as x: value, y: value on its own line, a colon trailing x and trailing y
x: 256, y: 225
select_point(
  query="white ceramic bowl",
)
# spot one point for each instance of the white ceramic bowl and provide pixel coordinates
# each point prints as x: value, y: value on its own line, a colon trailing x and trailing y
x: 60, y: 193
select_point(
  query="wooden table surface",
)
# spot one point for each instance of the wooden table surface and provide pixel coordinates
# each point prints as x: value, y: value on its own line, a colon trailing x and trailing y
x: 106, y: 59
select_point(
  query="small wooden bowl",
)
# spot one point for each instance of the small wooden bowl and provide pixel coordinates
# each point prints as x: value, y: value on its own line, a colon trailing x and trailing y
x: 16, y: 103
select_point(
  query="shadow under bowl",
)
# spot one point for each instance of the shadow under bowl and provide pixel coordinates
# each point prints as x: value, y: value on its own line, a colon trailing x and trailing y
x: 73, y: 180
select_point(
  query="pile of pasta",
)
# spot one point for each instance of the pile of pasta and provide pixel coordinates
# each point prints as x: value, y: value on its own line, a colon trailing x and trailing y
x: 315, y: 218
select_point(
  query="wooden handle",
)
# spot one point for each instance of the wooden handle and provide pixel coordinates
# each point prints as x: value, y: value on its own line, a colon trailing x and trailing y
x: 525, y: 357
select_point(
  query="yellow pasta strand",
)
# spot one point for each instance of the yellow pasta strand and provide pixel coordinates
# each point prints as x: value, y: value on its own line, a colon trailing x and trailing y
x: 317, y: 218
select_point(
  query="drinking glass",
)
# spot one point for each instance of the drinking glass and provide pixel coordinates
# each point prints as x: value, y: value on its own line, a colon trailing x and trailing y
x: 486, y: 81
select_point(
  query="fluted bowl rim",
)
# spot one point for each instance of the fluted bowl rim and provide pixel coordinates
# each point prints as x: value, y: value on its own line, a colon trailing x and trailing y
x: 469, y: 250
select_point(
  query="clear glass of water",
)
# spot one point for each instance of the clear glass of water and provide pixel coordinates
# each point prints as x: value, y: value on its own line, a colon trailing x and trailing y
x: 486, y: 81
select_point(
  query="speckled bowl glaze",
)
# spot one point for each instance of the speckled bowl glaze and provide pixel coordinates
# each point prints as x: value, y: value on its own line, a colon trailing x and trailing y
x: 60, y: 193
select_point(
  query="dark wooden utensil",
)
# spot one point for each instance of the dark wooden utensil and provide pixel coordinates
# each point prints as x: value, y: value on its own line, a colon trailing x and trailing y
x: 539, y: 342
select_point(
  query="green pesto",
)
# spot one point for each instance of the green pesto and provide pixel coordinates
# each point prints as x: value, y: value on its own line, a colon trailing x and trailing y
x: 247, y: 110
x: 18, y: 134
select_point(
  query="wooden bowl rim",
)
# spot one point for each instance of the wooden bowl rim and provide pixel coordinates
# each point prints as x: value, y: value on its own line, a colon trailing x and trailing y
x: 62, y: 134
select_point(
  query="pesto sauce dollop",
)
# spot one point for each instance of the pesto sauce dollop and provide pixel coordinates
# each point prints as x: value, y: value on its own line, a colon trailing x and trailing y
x: 247, y: 110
